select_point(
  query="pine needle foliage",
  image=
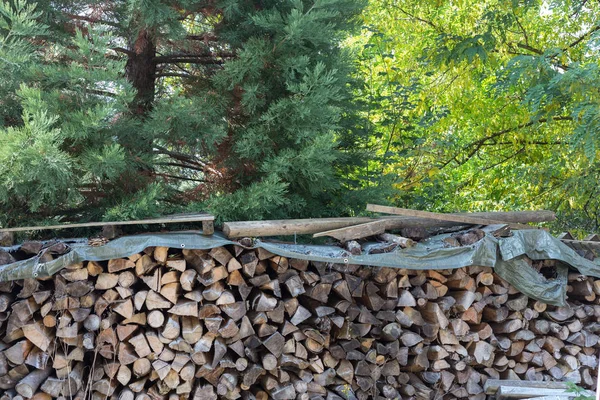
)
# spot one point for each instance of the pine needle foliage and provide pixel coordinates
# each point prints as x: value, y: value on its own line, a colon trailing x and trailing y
x: 132, y: 109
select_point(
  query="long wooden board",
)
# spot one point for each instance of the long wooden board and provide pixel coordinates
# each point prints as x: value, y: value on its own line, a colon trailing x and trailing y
x: 582, y: 244
x: 355, y: 231
x: 557, y: 397
x: 463, y: 219
x: 284, y: 227
x: 162, y: 220
x: 491, y: 386
x: 288, y: 226
x: 517, y: 392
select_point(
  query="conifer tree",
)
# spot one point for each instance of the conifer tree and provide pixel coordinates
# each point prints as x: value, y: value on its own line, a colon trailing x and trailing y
x: 129, y: 109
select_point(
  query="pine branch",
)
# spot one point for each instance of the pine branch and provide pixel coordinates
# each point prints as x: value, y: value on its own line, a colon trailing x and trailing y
x: 123, y: 50
x: 186, y: 166
x: 204, y: 61
x: 179, y: 156
x: 92, y: 20
x: 183, y: 178
x: 207, y: 37
x: 174, y: 74
x: 101, y: 92
x: 186, y: 158
x: 193, y: 58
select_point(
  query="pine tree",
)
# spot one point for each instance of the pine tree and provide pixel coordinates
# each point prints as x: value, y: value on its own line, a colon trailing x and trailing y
x: 129, y: 109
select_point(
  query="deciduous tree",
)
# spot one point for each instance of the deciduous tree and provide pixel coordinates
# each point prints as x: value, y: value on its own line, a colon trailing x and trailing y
x: 486, y: 105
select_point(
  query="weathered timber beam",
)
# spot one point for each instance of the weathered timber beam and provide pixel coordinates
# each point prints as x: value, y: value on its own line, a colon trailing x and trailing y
x: 288, y: 226
x: 163, y: 220
x: 355, y: 231
x: 464, y: 219
x: 238, y: 229
x: 582, y: 244
x: 491, y: 386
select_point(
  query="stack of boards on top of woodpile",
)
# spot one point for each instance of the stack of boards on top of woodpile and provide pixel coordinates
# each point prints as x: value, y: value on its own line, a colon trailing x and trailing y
x: 233, y: 322
x: 412, y: 226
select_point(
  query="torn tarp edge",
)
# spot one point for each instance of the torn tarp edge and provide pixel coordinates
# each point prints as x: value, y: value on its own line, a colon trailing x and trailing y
x: 503, y: 254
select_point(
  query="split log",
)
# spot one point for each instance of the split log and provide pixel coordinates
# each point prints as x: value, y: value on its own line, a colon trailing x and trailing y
x: 30, y: 384
x: 250, y: 323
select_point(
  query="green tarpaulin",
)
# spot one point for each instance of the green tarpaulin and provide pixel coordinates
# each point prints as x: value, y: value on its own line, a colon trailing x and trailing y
x: 505, y: 255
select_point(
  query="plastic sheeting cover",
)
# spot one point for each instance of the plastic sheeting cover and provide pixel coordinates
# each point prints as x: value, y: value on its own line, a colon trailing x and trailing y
x: 505, y: 255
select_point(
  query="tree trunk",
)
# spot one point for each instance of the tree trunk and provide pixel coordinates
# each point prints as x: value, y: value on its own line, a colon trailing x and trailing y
x: 141, y: 71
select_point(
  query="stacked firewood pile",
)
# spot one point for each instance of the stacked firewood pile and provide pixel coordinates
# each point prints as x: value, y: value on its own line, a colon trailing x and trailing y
x: 238, y: 323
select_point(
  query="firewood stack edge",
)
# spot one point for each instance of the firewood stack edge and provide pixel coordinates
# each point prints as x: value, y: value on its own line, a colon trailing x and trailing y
x: 233, y: 323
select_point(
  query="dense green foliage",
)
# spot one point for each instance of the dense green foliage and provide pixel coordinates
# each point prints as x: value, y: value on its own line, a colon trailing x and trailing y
x: 127, y: 109
x: 486, y: 104
x: 269, y: 109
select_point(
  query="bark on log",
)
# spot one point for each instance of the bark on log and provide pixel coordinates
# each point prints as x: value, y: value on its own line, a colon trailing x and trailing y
x: 249, y: 324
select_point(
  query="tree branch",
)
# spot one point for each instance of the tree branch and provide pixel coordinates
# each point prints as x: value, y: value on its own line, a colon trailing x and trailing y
x: 425, y: 21
x: 505, y: 159
x: 556, y: 64
x: 522, y: 29
x: 207, y: 37
x: 180, y: 177
x: 521, y: 126
x: 534, y: 142
x: 205, y: 61
x: 529, y: 48
x: 175, y: 75
x: 478, y: 144
x: 582, y: 37
x: 123, y: 50
x: 193, y: 58
x: 186, y: 166
x: 101, y: 92
x: 186, y: 158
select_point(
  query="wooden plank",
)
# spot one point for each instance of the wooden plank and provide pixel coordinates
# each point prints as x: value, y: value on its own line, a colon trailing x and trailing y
x: 551, y: 398
x: 237, y: 229
x: 527, y: 389
x: 288, y: 227
x: 514, y: 392
x: 355, y: 231
x: 565, y: 236
x: 162, y: 220
x: 598, y: 383
x: 592, y: 238
x: 582, y: 244
x: 492, y: 385
x: 463, y: 219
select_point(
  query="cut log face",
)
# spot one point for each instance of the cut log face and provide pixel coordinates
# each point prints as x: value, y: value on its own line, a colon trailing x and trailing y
x: 232, y: 323
x: 38, y: 335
